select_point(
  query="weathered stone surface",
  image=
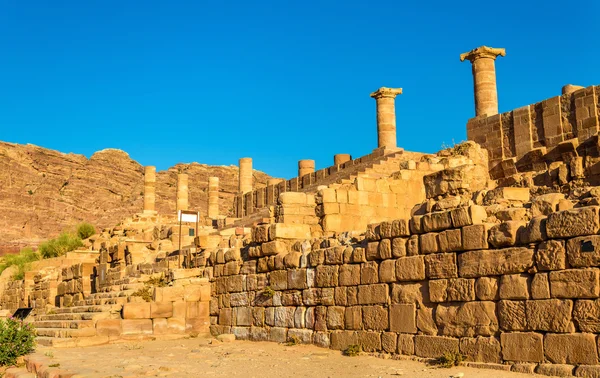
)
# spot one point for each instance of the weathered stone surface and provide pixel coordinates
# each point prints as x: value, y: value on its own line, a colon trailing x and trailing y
x: 412, y: 246
x: 428, y: 243
x: 555, y: 370
x: 466, y: 216
x: 486, y: 288
x: 550, y: 255
x: 587, y: 315
x: 551, y: 315
x: 540, y: 286
x: 512, y: 316
x: 481, y: 349
x: 340, y: 340
x: 584, y: 251
x: 435, y: 346
x: 375, y: 318
x: 372, y: 251
x: 452, y: 290
x: 522, y: 347
x: 534, y: 231
x: 387, y: 271
x: 426, y: 320
x: 410, y: 268
x: 587, y: 371
x: 373, y: 294
x: 574, y: 283
x: 349, y: 275
x: 385, y: 249
x: 410, y: 292
x: 327, y: 275
x: 353, y: 317
x: 437, y: 221
x: 505, y: 233
x: 403, y: 318
x: 136, y: 310
x: 399, y: 247
x: 514, y: 286
x: 406, y: 344
x: 579, y: 348
x: 455, y: 180
x: 467, y: 319
x: 389, y: 342
x: 450, y: 241
x: 441, y: 265
x: 494, y: 262
x: 335, y: 317
x: 369, y: 273
x: 546, y: 204
x: 475, y: 237
x: 369, y: 341
x: 575, y: 222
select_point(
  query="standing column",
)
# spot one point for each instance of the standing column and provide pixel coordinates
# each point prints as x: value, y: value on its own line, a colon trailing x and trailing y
x: 305, y: 167
x: 182, y: 191
x: 245, y: 175
x: 340, y: 159
x: 213, y: 197
x: 386, y: 116
x: 484, y: 78
x: 149, y: 189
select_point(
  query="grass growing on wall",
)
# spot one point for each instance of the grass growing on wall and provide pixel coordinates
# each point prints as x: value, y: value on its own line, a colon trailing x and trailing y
x: 22, y: 261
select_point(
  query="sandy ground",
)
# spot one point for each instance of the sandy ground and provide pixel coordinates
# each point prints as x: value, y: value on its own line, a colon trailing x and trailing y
x: 204, y: 358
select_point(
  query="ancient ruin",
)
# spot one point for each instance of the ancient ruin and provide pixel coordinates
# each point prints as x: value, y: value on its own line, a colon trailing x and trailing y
x: 490, y: 248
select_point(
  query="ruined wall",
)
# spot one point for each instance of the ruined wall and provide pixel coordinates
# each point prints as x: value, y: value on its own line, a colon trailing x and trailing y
x: 544, y: 125
x: 515, y: 291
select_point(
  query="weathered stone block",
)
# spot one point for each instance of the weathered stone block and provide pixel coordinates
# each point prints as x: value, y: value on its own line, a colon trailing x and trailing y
x: 450, y: 241
x: 412, y: 246
x: 426, y: 320
x: 437, y: 221
x: 555, y: 370
x: 369, y: 272
x: 389, y: 342
x: 522, y: 347
x: 335, y: 317
x: 136, y: 311
x: 340, y: 340
x: 505, y: 233
x: 327, y: 275
x: 403, y: 318
x: 349, y: 275
x: 410, y: 268
x: 274, y: 248
x: 551, y: 315
x: 372, y: 251
x: 550, y: 255
x: 534, y: 231
x: 575, y: 222
x: 385, y: 249
x: 578, y: 348
x: 369, y: 341
x: 467, y: 319
x: 399, y: 247
x: 162, y: 309
x: 278, y: 280
x: 574, y: 283
x: 540, y: 286
x: 428, y: 243
x: 435, y: 346
x: 387, y: 271
x: 486, y: 288
x: 451, y: 290
x: 373, y: 294
x: 375, y: 318
x: 108, y: 327
x: 583, y: 252
x: 400, y: 227
x: 514, y: 286
x: 284, y: 316
x: 481, y: 349
x: 297, y: 279
x: 410, y: 292
x: 406, y: 344
x: 353, y: 317
x: 137, y: 326
x: 475, y: 237
x: 495, y: 262
x: 441, y: 265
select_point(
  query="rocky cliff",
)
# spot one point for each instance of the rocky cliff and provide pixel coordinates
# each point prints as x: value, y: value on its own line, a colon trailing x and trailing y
x: 43, y: 191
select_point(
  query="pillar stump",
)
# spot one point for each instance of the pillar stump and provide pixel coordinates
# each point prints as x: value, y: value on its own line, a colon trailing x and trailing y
x: 149, y: 189
x: 213, y: 197
x: 484, y: 78
x: 245, y: 175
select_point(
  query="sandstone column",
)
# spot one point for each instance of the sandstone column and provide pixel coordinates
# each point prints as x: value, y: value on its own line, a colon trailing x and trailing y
x: 386, y: 116
x: 245, y: 175
x: 484, y: 78
x: 182, y: 191
x: 213, y: 197
x: 339, y: 159
x: 273, y: 181
x: 305, y: 167
x: 149, y: 189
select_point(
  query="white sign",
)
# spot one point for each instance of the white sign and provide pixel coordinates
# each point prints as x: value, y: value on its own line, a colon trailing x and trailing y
x: 188, y: 217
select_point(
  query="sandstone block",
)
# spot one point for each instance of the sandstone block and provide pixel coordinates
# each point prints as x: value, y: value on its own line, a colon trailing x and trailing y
x: 412, y: 246
x: 416, y: 224
x: 494, y: 262
x: 335, y: 317
x: 534, y: 231
x: 577, y: 348
x: 486, y: 288
x: 467, y: 319
x: 108, y: 327
x: 426, y: 320
x: 375, y: 318
x: 451, y: 290
x: 274, y: 247
x: 176, y: 325
x: 289, y: 231
x: 327, y: 275
x: 136, y: 311
x: 389, y: 341
x: 406, y: 344
x: 162, y: 309
x: 369, y: 273
x: 587, y: 315
x: 410, y: 268
x: 387, y: 271
x: 514, y: 286
x: 575, y: 222
x: 587, y: 371
x: 372, y: 251
x: 574, y: 283
x: 297, y: 279
x: 583, y: 252
x: 399, y: 247
x: 505, y: 233
x: 550, y: 255
x: 428, y: 243
x: 450, y: 241
x: 437, y: 221
x: 509, y: 194
x: 540, y: 286
x: 522, y: 346
x: 340, y: 340
x: 475, y: 237
x: 137, y: 326
x: 435, y: 346
x: 481, y: 349
x: 410, y: 292
x: 385, y: 249
x: 466, y: 216
x: 353, y: 317
x: 373, y: 294
x: 441, y: 265
x: 349, y: 275
x: 551, y: 315
x: 278, y: 280
x: 400, y: 227
x: 403, y: 318
x: 369, y: 341
x: 555, y: 370
x: 284, y: 316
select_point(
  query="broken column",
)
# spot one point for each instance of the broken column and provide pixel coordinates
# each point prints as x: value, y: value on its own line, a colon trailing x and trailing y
x: 149, y: 189
x: 305, y: 167
x: 340, y: 159
x: 386, y: 116
x: 245, y: 175
x: 182, y: 191
x: 484, y: 78
x: 213, y: 197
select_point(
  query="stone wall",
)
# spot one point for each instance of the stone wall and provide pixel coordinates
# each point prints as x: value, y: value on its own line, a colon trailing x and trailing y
x: 518, y: 133
x: 520, y: 292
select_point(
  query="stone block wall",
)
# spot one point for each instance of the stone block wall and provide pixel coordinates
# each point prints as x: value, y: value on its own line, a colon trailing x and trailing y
x: 517, y: 292
x: 75, y: 285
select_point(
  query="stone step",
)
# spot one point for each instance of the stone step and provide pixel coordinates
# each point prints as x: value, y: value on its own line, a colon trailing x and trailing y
x: 70, y: 324
x: 112, y: 294
x: 18, y: 372
x: 71, y: 342
x: 66, y: 332
x: 101, y: 301
x: 95, y: 316
x: 83, y: 309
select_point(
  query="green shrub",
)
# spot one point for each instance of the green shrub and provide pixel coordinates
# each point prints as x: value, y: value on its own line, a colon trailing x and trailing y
x: 268, y: 292
x: 65, y: 242
x: 16, y: 339
x: 146, y: 293
x: 22, y: 261
x: 353, y: 350
x: 450, y: 359
x: 85, y: 230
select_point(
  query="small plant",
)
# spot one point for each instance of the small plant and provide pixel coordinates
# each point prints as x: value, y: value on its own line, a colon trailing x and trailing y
x: 65, y: 242
x: 268, y: 292
x: 157, y: 281
x: 145, y: 293
x: 30, y: 192
x: 16, y: 339
x: 50, y: 312
x: 293, y: 340
x: 352, y: 350
x: 54, y: 365
x: 22, y: 261
x: 194, y: 335
x: 133, y: 346
x: 450, y: 359
x: 85, y: 230
x: 49, y: 354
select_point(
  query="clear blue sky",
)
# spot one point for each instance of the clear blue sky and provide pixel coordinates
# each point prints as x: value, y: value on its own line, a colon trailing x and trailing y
x: 278, y: 81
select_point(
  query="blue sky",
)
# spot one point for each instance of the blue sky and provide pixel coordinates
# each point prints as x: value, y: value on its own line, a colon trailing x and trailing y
x: 278, y: 81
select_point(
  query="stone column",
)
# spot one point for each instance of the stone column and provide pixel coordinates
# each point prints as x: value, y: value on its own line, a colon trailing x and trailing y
x: 305, y: 167
x: 273, y: 181
x: 245, y: 175
x: 339, y: 159
x: 213, y: 197
x: 149, y: 189
x: 386, y: 116
x: 182, y: 191
x: 484, y: 78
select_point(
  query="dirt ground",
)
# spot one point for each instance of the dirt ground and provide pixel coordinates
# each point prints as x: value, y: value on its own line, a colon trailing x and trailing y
x: 212, y: 358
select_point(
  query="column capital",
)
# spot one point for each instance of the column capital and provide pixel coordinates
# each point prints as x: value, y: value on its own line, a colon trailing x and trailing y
x: 482, y: 52
x: 386, y: 92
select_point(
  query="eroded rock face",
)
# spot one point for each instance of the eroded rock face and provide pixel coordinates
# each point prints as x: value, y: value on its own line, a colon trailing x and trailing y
x: 43, y: 191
